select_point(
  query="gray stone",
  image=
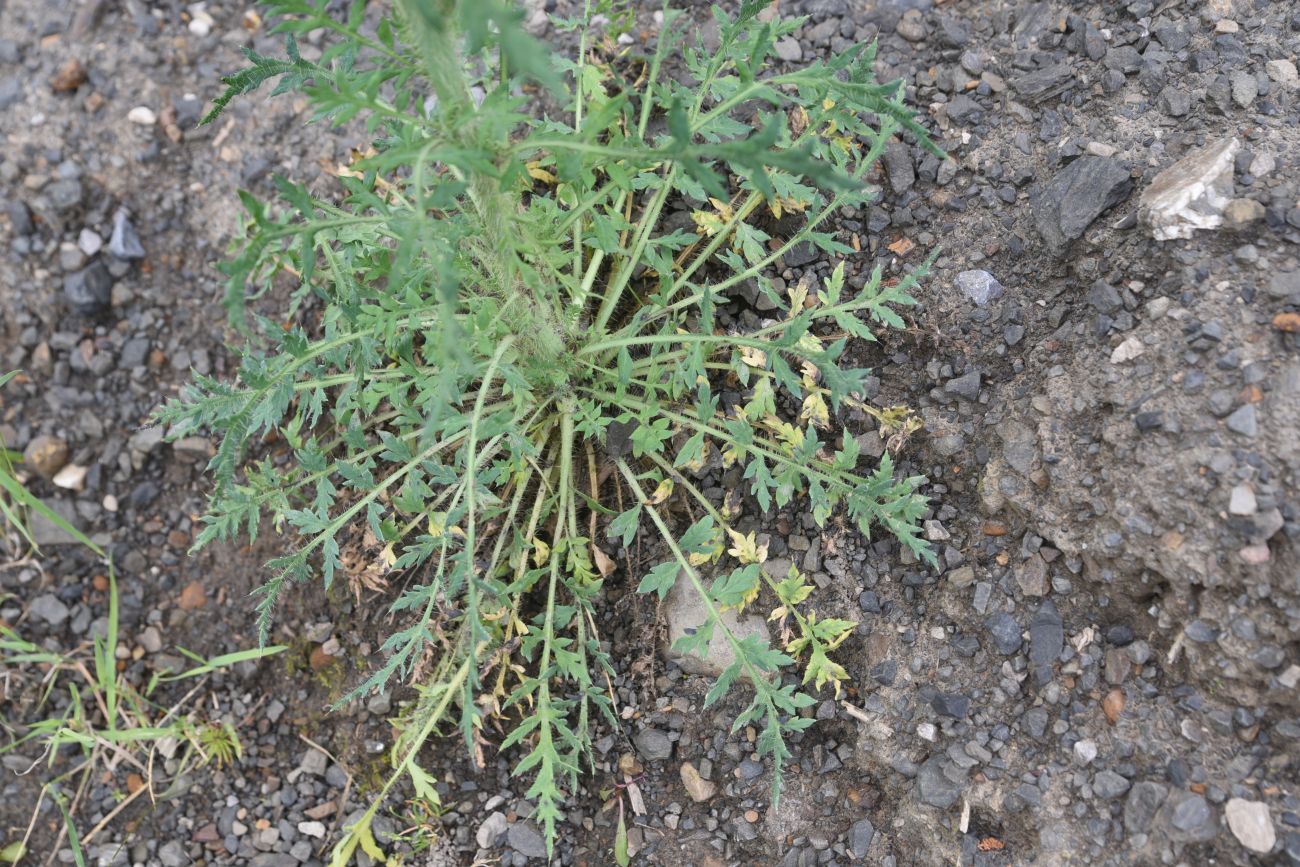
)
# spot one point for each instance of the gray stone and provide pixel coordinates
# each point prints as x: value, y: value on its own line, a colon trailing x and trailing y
x: 1046, y: 638
x: 491, y: 830
x: 788, y: 50
x: 1044, y: 83
x: 1284, y: 73
x: 90, y: 290
x: 172, y: 854
x: 653, y: 745
x: 1080, y: 193
x: 1006, y: 633
x: 1284, y: 284
x: 979, y: 286
x: 939, y: 783
x: 966, y: 386
x: 1189, y: 818
x: 124, y: 243
x: 859, y: 837
x: 1243, y: 421
x: 47, y: 533
x: 314, y: 762
x: 49, y: 608
x: 11, y: 91
x: 1201, y: 632
x: 1174, y: 101
x: 1109, y: 785
x: 524, y: 839
x: 898, y: 166
x: 953, y: 705
x: 1244, y: 88
x: 1192, y: 193
x: 1143, y: 801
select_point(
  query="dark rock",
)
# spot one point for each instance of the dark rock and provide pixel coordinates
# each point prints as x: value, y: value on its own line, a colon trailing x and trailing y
x: 1080, y: 193
x: 1006, y: 633
x: 898, y: 166
x: 1119, y: 635
x: 90, y: 290
x: 954, y: 705
x: 859, y: 837
x: 1044, y: 83
x: 1046, y: 638
x: 801, y: 254
x: 1104, y: 297
x: 525, y: 839
x: 966, y: 386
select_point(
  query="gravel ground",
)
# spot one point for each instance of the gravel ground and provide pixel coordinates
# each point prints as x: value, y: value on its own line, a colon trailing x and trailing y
x: 1107, y: 361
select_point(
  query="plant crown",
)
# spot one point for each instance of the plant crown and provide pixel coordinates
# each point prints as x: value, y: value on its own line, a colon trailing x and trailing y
x: 504, y: 360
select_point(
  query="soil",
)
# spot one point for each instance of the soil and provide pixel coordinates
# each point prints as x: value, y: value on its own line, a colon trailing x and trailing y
x: 1103, y: 669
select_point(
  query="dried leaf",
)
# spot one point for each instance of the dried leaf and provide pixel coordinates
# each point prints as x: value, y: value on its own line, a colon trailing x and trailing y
x: 604, y: 563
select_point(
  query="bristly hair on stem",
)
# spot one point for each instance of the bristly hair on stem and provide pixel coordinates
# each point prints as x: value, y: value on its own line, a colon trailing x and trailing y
x: 497, y: 336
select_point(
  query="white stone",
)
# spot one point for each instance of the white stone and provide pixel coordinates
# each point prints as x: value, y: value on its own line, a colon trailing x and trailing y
x: 927, y: 731
x: 1130, y: 349
x: 1099, y: 149
x: 1242, y: 501
x: 142, y: 115
x: 312, y: 829
x: 1251, y: 824
x: 1263, y: 164
x: 89, y: 241
x: 201, y: 25
x: 72, y: 477
x: 1192, y: 193
x: 1284, y: 73
x: 1085, y: 751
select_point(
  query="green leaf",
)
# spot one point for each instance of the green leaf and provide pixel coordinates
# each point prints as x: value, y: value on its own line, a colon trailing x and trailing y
x: 625, y: 525
x: 621, y: 858
x: 660, y: 579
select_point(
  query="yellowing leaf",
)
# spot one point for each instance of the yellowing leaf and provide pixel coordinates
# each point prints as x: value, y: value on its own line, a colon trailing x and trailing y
x: 746, y: 548
x: 536, y: 171
x: 387, y: 557
x: 798, y: 295
x: 753, y: 356
x: 661, y: 493
x: 541, y: 552
x: 815, y: 411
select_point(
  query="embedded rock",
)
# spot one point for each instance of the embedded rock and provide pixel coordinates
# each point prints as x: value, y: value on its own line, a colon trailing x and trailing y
x: 1192, y: 193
